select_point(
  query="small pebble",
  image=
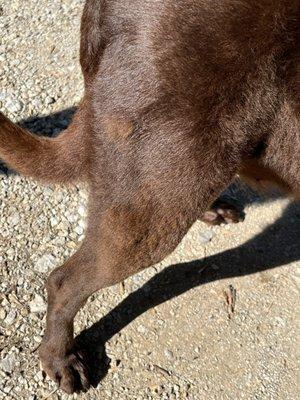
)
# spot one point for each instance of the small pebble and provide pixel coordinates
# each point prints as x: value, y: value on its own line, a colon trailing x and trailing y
x: 206, y: 236
x: 10, y: 318
x: 38, y: 304
x: 8, y: 363
x: 45, y: 263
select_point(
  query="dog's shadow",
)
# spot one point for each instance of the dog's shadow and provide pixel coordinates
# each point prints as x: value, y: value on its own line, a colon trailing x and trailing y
x: 275, y: 246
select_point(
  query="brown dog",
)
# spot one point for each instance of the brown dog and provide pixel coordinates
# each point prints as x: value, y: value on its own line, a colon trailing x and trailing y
x: 180, y: 96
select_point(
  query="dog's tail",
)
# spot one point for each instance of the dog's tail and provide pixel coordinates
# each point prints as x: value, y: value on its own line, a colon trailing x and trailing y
x: 50, y: 160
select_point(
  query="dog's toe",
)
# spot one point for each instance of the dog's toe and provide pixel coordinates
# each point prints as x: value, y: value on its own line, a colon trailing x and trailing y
x: 70, y: 372
x: 74, y: 376
x: 223, y: 213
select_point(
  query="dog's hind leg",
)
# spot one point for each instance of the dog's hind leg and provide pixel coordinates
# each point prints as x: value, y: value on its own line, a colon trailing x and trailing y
x: 279, y: 161
x: 62, y: 159
x: 140, y: 209
x: 282, y: 152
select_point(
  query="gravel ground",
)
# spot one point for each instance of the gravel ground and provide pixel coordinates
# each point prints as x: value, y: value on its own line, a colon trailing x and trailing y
x: 172, y: 331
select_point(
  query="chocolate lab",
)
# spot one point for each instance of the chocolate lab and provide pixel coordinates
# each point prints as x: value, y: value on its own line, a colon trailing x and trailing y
x: 180, y: 97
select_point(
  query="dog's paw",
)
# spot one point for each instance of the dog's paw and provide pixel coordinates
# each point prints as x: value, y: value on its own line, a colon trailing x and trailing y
x: 223, y: 213
x: 70, y: 372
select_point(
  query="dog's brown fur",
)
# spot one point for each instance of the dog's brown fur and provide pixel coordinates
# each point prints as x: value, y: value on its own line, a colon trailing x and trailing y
x: 180, y: 96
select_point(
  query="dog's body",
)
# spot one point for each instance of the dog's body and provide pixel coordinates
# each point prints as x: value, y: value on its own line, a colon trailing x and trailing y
x: 180, y: 96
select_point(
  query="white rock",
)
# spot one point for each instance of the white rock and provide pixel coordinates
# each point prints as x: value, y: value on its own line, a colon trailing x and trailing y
x: 169, y: 354
x: 39, y: 377
x: 141, y: 329
x: 45, y: 263
x: 206, y: 236
x: 11, y: 316
x: 7, y: 389
x: 53, y: 221
x: 38, y: 304
x: 8, y: 363
x: 82, y: 211
x: 14, y: 105
x: 79, y: 230
x: 14, y: 219
x: 2, y: 313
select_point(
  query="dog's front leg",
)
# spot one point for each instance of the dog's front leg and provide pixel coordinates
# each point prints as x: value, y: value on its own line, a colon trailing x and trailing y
x: 68, y: 288
x: 123, y: 240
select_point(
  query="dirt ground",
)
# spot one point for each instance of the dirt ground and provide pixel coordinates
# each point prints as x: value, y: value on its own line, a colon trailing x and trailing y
x: 218, y: 319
